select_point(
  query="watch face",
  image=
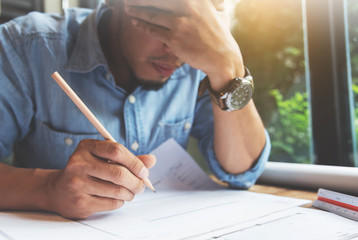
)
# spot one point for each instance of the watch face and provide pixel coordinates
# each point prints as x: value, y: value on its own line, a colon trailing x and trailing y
x: 240, y: 96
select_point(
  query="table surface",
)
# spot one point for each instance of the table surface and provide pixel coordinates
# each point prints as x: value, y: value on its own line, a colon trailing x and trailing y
x: 287, y: 192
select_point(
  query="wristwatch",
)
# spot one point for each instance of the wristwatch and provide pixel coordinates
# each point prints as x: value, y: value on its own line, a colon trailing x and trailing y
x: 234, y: 96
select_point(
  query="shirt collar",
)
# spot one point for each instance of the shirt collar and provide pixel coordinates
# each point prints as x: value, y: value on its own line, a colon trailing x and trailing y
x: 87, y: 53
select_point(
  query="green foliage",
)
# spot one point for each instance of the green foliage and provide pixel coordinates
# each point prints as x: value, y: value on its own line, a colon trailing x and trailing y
x: 271, y: 41
x: 353, y: 37
x: 289, y: 130
x: 355, y: 92
x: 270, y: 35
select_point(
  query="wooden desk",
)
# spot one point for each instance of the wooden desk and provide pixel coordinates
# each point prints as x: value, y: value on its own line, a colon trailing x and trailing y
x: 287, y: 192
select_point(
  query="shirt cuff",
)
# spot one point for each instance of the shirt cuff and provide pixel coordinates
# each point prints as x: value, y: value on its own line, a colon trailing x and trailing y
x: 243, y: 180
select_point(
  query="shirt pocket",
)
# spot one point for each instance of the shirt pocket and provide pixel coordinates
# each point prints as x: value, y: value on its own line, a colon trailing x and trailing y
x: 179, y: 130
x: 46, y: 147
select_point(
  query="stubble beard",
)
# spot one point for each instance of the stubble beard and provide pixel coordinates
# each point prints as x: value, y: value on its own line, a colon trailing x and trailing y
x: 157, y: 84
x: 149, y: 84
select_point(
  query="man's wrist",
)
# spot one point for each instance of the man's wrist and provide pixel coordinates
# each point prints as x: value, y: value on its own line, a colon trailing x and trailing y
x: 44, y: 191
x: 225, y: 73
x: 234, y: 96
x: 24, y: 189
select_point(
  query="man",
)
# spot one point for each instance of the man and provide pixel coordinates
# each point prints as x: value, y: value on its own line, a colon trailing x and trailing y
x: 126, y: 61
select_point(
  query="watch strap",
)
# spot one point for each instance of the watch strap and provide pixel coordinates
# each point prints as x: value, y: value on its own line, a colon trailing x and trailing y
x: 218, y: 97
x: 205, y: 85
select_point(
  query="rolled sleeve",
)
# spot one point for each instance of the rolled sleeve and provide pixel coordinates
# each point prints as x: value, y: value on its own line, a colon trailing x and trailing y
x: 244, y: 180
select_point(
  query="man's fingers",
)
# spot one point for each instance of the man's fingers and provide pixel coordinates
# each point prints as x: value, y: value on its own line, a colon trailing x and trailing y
x: 97, y: 204
x: 162, y: 34
x: 167, y: 5
x: 148, y: 160
x: 151, y: 15
x: 117, y: 153
x: 219, y: 5
x: 116, y: 174
x: 100, y: 188
x: 177, y: 7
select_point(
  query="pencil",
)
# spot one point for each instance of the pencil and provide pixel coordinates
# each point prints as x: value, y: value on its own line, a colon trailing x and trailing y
x: 84, y: 109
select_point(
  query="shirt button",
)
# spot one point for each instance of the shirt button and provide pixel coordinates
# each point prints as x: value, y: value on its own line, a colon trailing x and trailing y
x: 68, y: 141
x: 135, y: 146
x: 108, y: 76
x: 131, y: 99
x: 187, y: 126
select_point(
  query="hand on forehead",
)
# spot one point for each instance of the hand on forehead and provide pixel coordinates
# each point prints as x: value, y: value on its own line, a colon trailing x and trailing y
x: 170, y: 4
x: 219, y: 4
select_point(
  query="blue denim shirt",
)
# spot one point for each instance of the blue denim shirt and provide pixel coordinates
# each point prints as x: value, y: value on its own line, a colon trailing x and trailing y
x: 41, y: 125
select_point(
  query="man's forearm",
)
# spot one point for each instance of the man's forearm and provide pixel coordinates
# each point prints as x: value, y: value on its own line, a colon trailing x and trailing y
x: 23, y: 189
x: 239, y: 138
x: 239, y: 135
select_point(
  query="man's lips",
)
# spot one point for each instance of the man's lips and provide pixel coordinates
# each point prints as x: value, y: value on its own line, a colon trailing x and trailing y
x: 163, y: 69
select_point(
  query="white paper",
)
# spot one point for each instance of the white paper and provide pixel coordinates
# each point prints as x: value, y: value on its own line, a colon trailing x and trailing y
x: 43, y: 226
x: 187, y: 205
x: 188, y: 214
x: 296, y: 224
x: 175, y: 170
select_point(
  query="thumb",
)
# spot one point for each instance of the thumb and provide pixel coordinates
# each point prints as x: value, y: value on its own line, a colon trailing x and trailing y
x: 149, y: 160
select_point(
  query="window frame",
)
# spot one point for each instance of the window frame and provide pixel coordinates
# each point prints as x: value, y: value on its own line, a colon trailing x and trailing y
x: 11, y: 9
x: 329, y: 76
x: 329, y: 81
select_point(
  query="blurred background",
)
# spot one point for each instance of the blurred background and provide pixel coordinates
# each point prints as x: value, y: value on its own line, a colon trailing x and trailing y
x: 304, y: 56
x: 14, y: 8
x: 304, y: 59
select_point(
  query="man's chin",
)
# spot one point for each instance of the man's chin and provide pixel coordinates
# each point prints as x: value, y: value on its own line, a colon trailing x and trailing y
x: 152, y: 84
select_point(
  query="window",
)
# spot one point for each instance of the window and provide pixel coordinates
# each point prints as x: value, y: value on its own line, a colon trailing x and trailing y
x: 51, y: 6
x: 11, y: 8
x: 352, y: 11
x: 304, y: 58
x: 80, y: 3
x: 330, y: 86
x: 14, y: 8
x: 271, y: 39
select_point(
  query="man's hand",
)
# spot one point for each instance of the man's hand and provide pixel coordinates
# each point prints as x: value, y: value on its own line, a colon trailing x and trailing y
x: 197, y: 32
x: 91, y: 184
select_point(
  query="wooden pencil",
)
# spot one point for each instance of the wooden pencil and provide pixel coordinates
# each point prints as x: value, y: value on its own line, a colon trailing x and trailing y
x: 84, y: 109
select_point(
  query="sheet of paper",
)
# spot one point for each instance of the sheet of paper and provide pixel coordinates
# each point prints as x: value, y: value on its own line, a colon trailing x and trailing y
x: 187, y: 205
x: 188, y: 214
x: 43, y: 226
x: 176, y: 170
x: 295, y: 224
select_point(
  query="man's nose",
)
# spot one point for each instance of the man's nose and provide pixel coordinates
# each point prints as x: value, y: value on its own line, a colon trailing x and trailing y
x: 167, y: 49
